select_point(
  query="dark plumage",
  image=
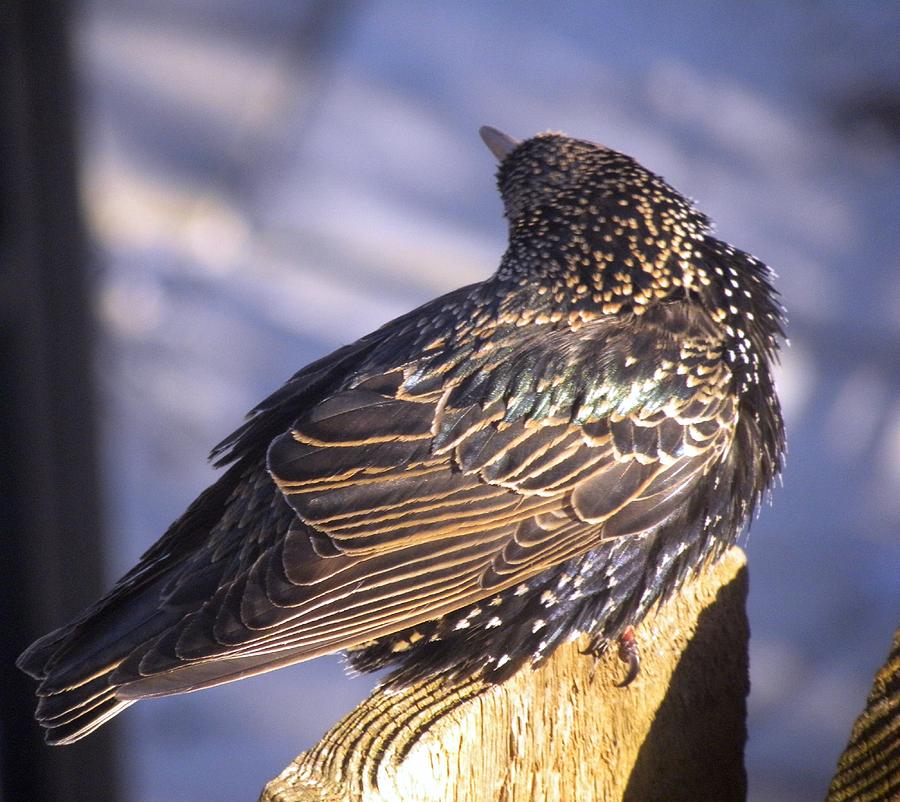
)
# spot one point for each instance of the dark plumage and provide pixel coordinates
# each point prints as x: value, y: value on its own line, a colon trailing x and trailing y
x: 546, y: 453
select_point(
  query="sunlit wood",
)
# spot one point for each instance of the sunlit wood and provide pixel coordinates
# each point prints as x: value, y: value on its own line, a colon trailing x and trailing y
x: 564, y: 732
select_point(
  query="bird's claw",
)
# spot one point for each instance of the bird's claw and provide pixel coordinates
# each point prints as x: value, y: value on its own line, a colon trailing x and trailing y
x: 630, y: 654
x: 595, y: 649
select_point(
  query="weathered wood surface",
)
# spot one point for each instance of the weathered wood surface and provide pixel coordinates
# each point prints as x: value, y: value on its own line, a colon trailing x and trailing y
x: 565, y: 731
x: 869, y: 769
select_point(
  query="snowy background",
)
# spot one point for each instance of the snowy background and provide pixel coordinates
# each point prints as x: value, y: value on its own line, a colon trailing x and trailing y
x: 266, y: 181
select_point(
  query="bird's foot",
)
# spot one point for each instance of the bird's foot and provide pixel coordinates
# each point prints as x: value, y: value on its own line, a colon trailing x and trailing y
x: 596, y: 649
x: 630, y: 654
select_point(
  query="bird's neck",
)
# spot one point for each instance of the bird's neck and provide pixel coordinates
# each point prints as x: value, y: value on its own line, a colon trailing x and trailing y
x: 587, y: 273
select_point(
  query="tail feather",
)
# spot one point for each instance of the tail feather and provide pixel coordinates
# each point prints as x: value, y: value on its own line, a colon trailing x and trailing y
x: 65, y: 706
x: 76, y: 728
x: 99, y: 644
x: 33, y: 661
x: 74, y: 665
x: 69, y: 715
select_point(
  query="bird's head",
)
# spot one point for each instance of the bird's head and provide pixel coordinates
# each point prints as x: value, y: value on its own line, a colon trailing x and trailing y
x: 594, y: 220
x: 593, y: 233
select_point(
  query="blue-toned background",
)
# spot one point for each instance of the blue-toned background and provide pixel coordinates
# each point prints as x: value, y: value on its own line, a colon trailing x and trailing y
x: 265, y: 181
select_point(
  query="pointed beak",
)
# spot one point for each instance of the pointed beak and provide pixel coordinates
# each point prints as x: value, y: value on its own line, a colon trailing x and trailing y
x: 500, y: 144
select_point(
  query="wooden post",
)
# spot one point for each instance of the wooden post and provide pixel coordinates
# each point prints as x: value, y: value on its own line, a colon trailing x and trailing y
x: 869, y: 769
x: 564, y: 731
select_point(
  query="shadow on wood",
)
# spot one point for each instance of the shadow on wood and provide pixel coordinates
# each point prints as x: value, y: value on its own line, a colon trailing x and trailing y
x: 564, y: 731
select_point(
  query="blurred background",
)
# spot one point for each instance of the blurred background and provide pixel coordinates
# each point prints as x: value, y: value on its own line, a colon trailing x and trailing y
x: 262, y: 182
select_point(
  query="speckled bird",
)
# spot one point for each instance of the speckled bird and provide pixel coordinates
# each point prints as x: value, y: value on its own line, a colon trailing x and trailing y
x: 545, y: 454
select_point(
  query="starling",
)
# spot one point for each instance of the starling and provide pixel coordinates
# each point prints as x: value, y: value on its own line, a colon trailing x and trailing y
x: 544, y: 454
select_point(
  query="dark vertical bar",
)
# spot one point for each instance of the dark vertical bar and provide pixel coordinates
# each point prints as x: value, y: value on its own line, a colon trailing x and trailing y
x: 50, y: 536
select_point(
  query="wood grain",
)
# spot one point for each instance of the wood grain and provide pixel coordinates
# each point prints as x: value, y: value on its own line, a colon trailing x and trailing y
x: 564, y: 731
x: 869, y: 769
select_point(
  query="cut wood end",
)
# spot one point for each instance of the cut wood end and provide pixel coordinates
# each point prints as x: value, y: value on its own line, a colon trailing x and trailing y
x: 563, y: 731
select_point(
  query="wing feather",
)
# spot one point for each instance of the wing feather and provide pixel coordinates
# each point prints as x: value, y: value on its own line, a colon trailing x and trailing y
x: 410, y: 505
